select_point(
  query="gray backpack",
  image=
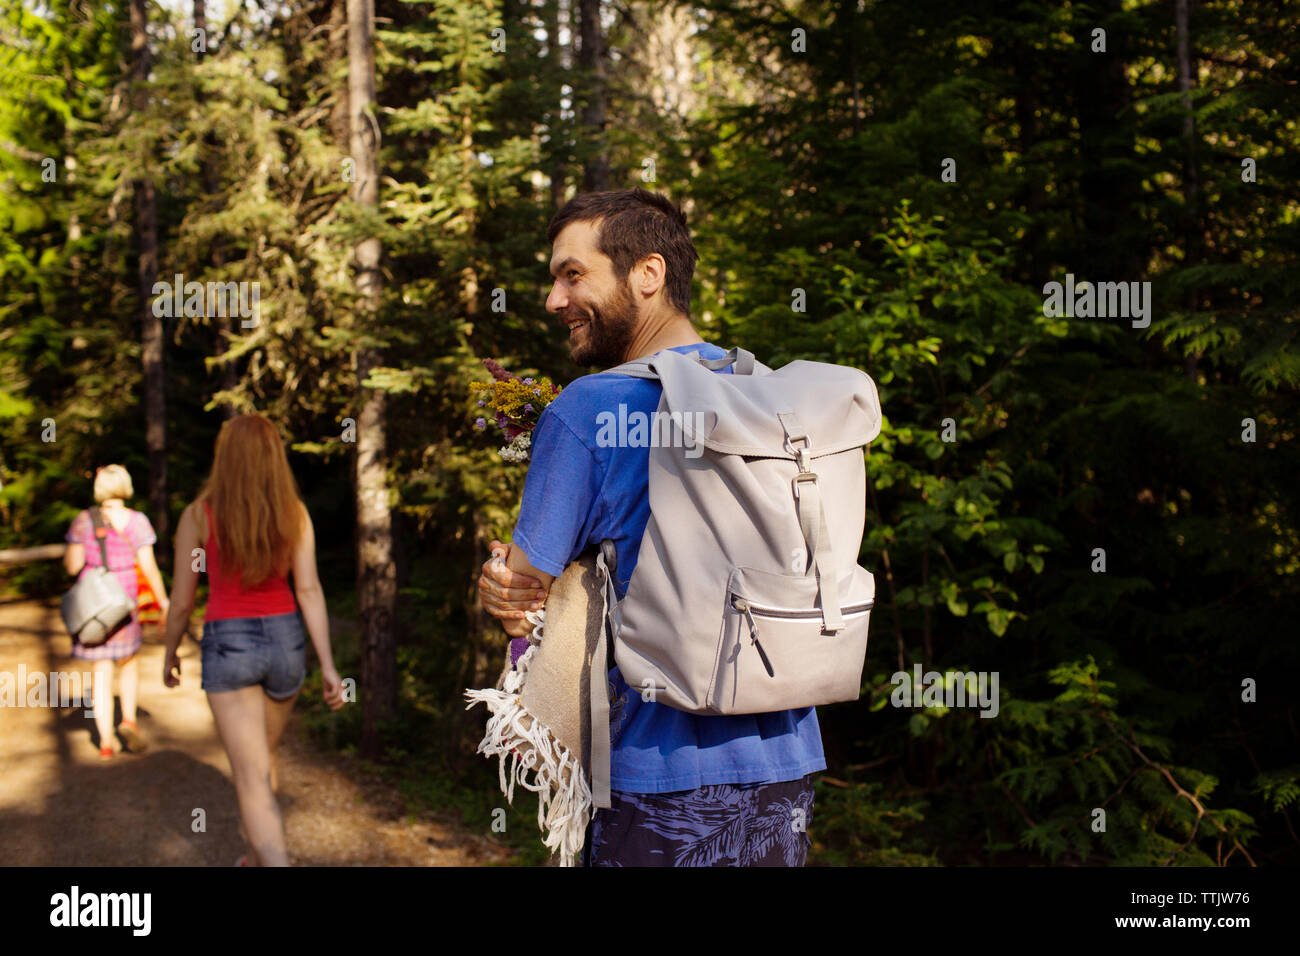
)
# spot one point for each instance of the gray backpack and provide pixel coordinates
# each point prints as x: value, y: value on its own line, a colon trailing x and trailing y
x: 97, y: 604
x: 747, y: 596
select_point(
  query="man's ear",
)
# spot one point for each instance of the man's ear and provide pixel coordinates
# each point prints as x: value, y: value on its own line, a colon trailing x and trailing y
x: 649, y: 275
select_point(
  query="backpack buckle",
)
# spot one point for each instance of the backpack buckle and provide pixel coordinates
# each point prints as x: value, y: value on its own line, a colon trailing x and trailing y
x: 800, y: 478
x: 800, y: 452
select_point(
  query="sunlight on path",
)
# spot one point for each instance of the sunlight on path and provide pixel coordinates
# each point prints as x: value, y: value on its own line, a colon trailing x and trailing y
x: 61, y: 805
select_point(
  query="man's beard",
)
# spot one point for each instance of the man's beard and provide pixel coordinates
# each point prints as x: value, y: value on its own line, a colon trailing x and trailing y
x: 609, y: 330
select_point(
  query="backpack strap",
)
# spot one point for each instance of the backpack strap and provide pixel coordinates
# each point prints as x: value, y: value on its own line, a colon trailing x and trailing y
x: 743, y: 361
x: 97, y: 522
x: 606, y: 564
x: 812, y: 521
x: 638, y: 369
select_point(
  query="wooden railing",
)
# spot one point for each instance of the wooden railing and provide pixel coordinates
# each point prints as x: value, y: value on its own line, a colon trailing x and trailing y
x: 44, y: 552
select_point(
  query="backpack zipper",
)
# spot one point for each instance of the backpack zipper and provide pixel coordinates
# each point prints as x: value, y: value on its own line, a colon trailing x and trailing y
x: 746, y: 608
x: 741, y: 605
x: 793, y: 614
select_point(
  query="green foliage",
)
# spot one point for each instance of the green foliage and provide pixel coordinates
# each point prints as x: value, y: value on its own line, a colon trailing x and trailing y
x: 858, y: 825
x: 821, y: 186
x: 1062, y: 761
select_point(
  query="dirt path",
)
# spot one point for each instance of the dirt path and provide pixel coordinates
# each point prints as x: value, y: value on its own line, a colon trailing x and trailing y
x: 61, y: 805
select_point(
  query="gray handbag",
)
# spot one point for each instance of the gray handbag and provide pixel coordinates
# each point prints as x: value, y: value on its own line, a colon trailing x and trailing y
x: 97, y: 604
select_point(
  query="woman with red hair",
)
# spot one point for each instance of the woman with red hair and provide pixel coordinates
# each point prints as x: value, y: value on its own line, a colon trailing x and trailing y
x: 249, y: 530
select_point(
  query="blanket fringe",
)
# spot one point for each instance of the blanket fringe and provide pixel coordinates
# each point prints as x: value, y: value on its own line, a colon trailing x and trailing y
x: 538, y: 762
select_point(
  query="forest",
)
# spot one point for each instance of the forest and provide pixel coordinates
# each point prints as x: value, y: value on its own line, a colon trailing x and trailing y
x: 1087, y: 496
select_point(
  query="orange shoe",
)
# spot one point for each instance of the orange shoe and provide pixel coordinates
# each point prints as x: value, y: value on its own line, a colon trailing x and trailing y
x: 130, y: 734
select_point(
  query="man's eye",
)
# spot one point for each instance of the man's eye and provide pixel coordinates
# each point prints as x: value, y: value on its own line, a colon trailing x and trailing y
x: 572, y: 273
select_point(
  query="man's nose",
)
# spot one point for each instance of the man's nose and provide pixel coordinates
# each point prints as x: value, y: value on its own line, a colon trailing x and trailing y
x: 556, y: 300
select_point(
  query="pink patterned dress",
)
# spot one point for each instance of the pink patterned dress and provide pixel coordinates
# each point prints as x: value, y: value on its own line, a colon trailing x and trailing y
x: 122, y: 546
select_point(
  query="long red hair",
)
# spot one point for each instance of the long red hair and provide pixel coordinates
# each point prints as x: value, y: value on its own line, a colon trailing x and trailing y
x: 254, y: 500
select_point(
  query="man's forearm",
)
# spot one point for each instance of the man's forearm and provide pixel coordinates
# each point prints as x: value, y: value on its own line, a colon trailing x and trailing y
x: 517, y: 561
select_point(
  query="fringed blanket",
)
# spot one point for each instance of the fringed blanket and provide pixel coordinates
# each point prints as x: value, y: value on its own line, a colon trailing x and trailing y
x: 539, y: 714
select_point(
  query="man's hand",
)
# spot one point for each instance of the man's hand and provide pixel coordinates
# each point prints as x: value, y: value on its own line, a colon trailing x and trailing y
x: 515, y: 628
x: 507, y: 594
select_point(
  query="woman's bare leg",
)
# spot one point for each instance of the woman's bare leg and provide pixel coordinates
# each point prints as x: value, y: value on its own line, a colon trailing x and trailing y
x: 241, y: 723
x: 102, y: 693
x: 278, y: 713
x: 277, y: 718
x: 128, y: 685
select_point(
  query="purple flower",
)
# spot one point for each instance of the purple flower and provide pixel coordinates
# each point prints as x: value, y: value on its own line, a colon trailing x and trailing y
x: 498, y: 373
x: 528, y: 409
x: 480, y: 423
x: 528, y: 381
x: 480, y: 403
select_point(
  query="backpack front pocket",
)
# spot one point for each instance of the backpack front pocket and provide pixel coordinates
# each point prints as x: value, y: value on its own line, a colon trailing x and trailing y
x: 774, y: 654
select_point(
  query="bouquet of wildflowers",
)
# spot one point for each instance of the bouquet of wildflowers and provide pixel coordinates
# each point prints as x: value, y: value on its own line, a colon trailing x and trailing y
x: 516, y: 404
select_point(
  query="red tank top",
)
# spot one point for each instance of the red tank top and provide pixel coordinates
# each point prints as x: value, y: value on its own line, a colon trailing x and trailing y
x: 228, y: 598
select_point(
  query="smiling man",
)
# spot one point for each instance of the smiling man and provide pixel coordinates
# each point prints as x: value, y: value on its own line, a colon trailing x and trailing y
x: 686, y: 789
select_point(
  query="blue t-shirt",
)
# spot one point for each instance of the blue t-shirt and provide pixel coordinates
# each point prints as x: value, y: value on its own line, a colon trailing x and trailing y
x: 578, y: 493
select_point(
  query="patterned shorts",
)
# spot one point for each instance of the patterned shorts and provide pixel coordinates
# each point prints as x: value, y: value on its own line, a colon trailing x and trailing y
x: 748, y: 824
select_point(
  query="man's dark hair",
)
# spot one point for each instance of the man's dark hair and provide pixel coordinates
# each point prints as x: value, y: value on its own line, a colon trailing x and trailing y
x: 634, y: 223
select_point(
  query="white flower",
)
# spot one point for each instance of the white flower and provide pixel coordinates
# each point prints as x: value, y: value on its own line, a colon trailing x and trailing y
x: 517, y: 450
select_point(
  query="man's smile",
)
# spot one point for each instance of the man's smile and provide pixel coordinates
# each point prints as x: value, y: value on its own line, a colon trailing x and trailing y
x: 600, y: 329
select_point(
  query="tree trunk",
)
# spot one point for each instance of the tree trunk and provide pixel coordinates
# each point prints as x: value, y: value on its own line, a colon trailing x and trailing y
x: 1111, y: 197
x: 222, y: 333
x: 927, y: 625
x: 70, y: 178
x: 376, y: 577
x: 591, y: 58
x: 1192, y: 178
x: 146, y: 231
x: 1029, y: 194
x: 339, y: 124
x: 555, y: 123
x: 849, y: 11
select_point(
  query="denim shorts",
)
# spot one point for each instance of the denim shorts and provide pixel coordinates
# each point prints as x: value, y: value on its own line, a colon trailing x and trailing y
x: 239, y: 652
